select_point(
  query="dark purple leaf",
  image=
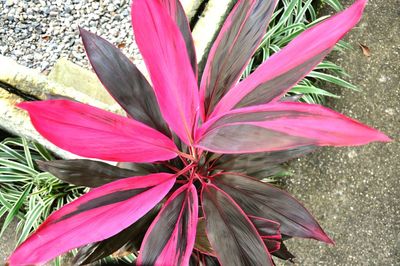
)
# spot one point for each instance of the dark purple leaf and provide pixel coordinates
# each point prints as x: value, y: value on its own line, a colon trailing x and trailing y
x: 237, y: 41
x: 123, y: 81
x: 141, y: 167
x: 266, y: 201
x: 199, y: 258
x: 202, y: 243
x: 266, y: 228
x: 88, y: 173
x: 259, y: 165
x: 283, y: 253
x: 51, y: 96
x: 171, y: 236
x: 232, y: 235
x: 272, y: 244
x: 269, y: 232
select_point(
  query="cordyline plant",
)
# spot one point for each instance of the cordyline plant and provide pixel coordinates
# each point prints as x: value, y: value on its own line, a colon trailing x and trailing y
x: 201, y: 201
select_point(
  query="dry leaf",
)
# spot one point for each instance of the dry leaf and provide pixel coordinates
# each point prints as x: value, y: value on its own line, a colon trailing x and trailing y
x: 46, y: 37
x: 365, y: 49
x: 121, y: 253
x: 121, y: 45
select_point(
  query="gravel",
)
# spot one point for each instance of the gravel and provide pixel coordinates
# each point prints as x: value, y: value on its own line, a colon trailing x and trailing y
x: 37, y: 33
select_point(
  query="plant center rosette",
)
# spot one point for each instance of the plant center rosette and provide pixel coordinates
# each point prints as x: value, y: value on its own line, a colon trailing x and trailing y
x: 194, y: 146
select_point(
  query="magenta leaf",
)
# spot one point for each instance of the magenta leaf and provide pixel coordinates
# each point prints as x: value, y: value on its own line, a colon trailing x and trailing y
x: 88, y: 173
x: 91, y: 132
x: 123, y: 81
x: 164, y: 52
x: 232, y: 235
x: 284, y: 69
x: 97, y: 215
x: 177, y: 13
x: 128, y: 239
x: 238, y: 39
x: 282, y: 126
x: 171, y: 236
x: 266, y: 201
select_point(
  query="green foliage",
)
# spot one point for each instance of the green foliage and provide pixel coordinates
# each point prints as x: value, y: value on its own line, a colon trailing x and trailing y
x: 290, y: 19
x: 27, y: 194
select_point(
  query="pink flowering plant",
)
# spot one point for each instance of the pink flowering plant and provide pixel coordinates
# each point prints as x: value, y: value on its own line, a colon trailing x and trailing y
x: 193, y: 155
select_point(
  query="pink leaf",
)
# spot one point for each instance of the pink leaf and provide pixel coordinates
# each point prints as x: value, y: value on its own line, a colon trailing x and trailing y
x: 284, y: 69
x: 177, y: 13
x: 170, y: 238
x: 91, y: 132
x: 282, y: 126
x: 97, y: 215
x: 164, y: 52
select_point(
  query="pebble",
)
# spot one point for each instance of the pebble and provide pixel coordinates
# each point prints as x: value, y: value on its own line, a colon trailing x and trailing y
x: 38, y: 33
x: 9, y: 3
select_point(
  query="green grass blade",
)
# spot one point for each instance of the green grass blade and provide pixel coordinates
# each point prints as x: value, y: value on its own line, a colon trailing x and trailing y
x: 15, y: 209
x: 31, y: 218
x: 5, y: 178
x: 27, y: 153
x: 3, y: 210
x: 12, y: 153
x: 312, y: 90
x: 8, y: 206
x: 18, y: 166
x: 43, y: 152
x: 332, y: 79
x: 335, y: 4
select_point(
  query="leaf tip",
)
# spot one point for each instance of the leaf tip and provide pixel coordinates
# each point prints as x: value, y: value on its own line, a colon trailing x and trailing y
x: 380, y: 137
x: 384, y: 138
x: 23, y: 105
x: 82, y: 30
x: 328, y: 240
x: 42, y: 165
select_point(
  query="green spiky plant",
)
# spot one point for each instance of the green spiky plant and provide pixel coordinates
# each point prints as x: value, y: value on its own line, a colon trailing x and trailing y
x: 290, y: 19
x: 26, y: 193
x: 30, y: 195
